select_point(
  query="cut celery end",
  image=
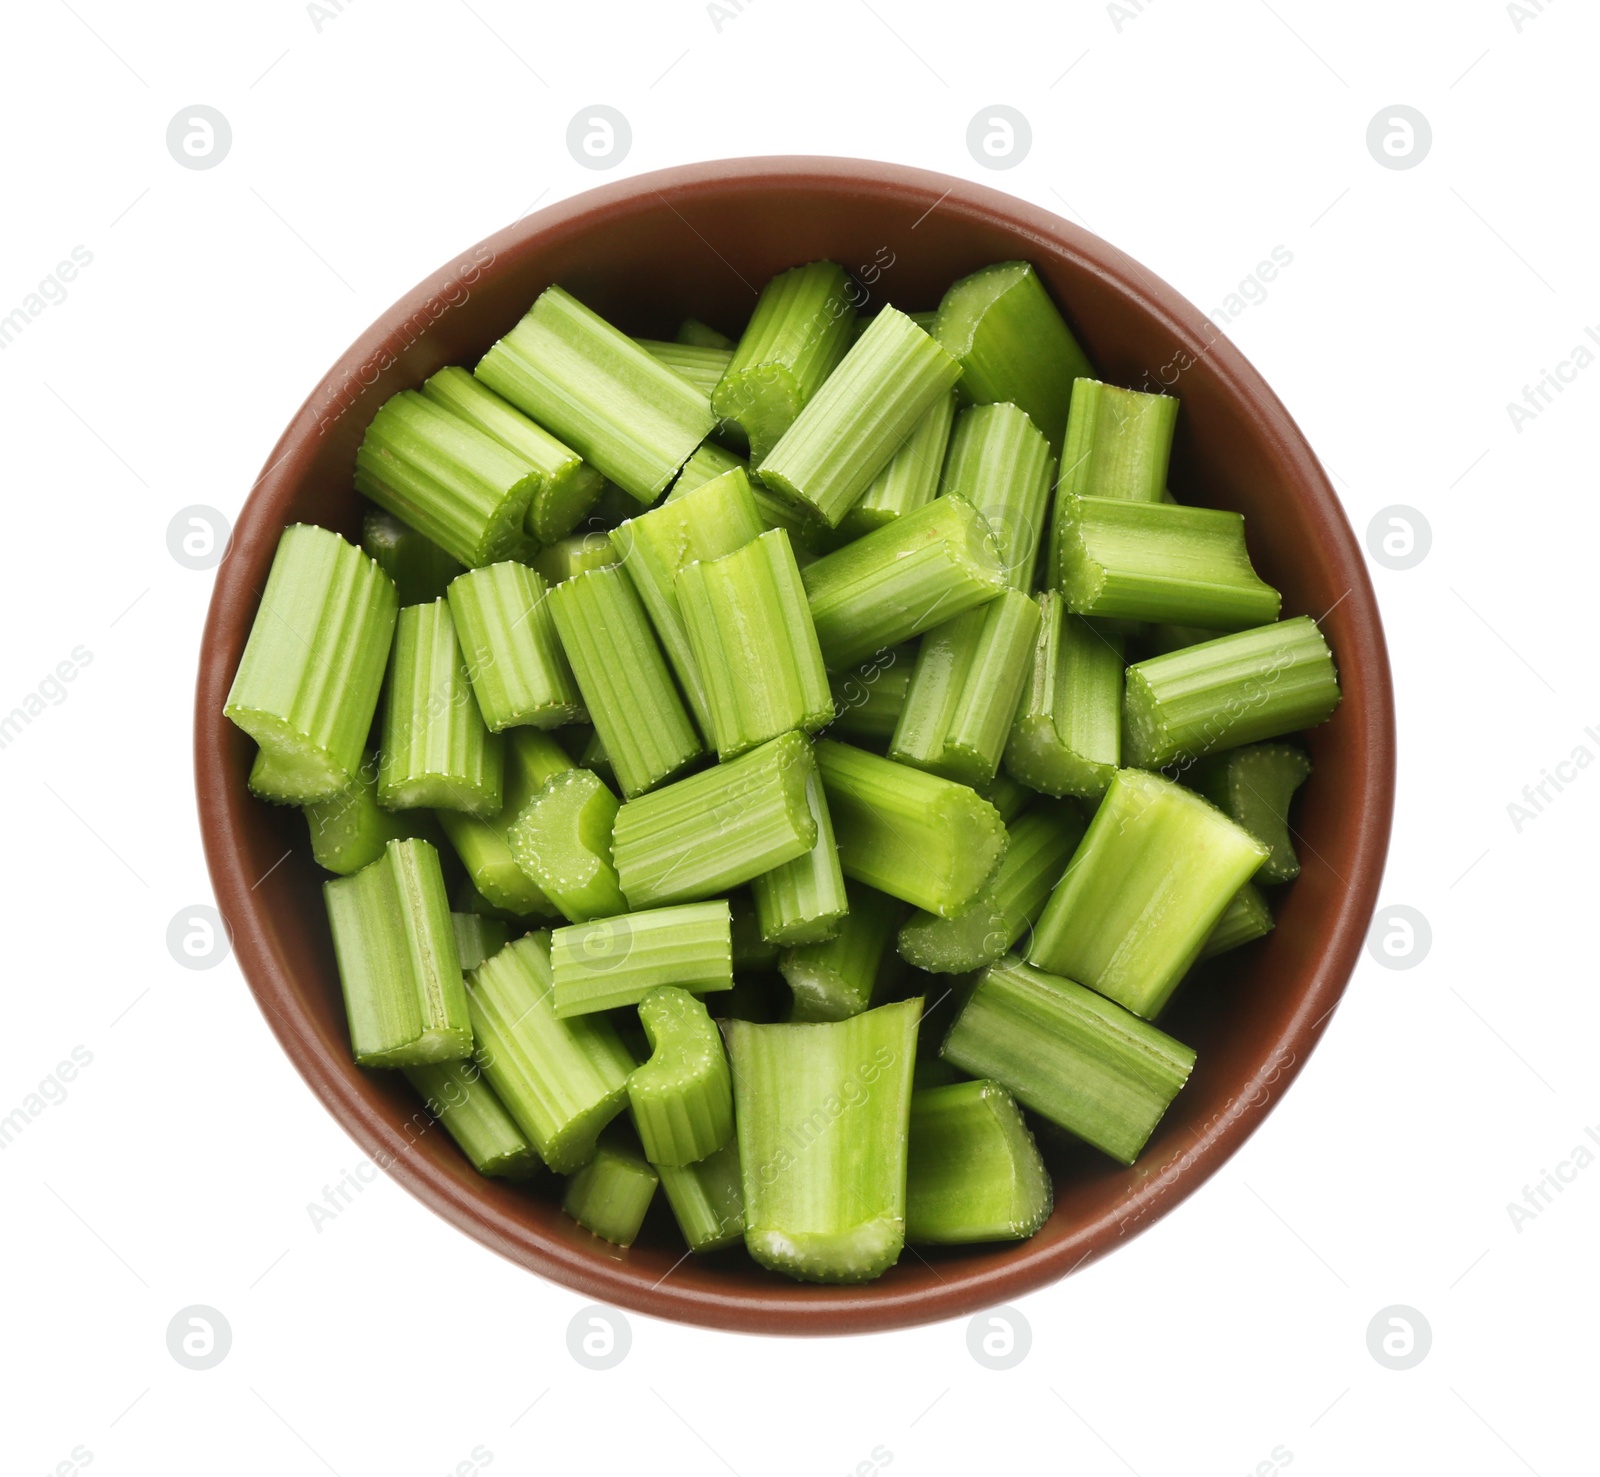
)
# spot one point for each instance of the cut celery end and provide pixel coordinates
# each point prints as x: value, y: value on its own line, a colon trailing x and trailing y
x: 918, y: 572
x: 456, y: 1096
x: 518, y: 671
x: 561, y: 1081
x: 911, y: 479
x: 802, y: 901
x: 420, y: 569
x: 1001, y: 463
x: 611, y: 1194
x: 846, y: 974
x: 1008, y: 795
x: 1118, y: 443
x: 617, y: 407
x: 562, y: 839
x: 973, y: 1172
x: 868, y: 699
x: 1012, y: 344
x: 693, y: 331
x: 308, y: 682
x: 608, y: 962
x: 865, y: 410
x: 1236, y: 690
x: 398, y: 965
x: 1246, y: 918
x: 682, y: 1098
x: 1255, y: 786
x: 822, y: 1112
x: 576, y: 554
x: 350, y: 830
x: 925, y: 840
x: 700, y: 364
x: 1071, y: 1056
x: 708, y: 462
x: 1154, y: 872
x: 707, y: 1199
x: 699, y: 836
x: 478, y: 937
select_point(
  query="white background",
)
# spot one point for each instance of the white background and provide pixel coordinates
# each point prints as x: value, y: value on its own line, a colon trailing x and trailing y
x: 376, y: 143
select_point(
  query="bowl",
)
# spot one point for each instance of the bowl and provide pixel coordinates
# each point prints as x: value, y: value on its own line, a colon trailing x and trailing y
x: 701, y: 240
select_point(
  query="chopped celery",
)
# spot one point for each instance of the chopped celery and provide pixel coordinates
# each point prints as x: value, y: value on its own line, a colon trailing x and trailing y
x: 699, y: 364
x: 477, y: 937
x: 682, y: 1098
x: 693, y: 331
x: 707, y: 1199
x: 840, y: 977
x: 1118, y: 443
x: 1001, y: 463
x: 911, y: 478
x: 608, y: 962
x: 1246, y: 918
x: 802, y: 901
x: 578, y: 553
x: 612, y: 1192
x: 456, y: 1095
x: 750, y: 949
x: 868, y: 699
x: 518, y: 670
x: 350, y: 830
x: 562, y: 839
x: 1255, y: 786
x: 420, y: 569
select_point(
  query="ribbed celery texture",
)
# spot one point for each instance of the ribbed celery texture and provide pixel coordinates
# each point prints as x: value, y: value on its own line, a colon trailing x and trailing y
x: 707, y: 1199
x: 578, y: 553
x: 420, y: 569
x: 562, y: 839
x: 611, y: 1194
x: 700, y: 364
x: 843, y: 976
x: 350, y: 830
x: 1255, y: 785
x: 1001, y: 463
x: 518, y: 670
x: 456, y: 1095
x: 802, y: 901
x: 868, y: 699
x: 708, y: 461
x: 608, y: 962
x: 478, y: 937
x: 911, y: 478
x: 1118, y: 443
x: 1246, y: 918
x: 682, y: 1098
x: 693, y: 331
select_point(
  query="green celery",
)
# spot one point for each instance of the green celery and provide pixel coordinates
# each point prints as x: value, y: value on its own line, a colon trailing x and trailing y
x: 911, y: 478
x: 519, y: 672
x: 761, y: 998
x: 607, y: 962
x: 707, y: 1199
x: 844, y: 975
x: 1246, y: 918
x: 1160, y: 638
x: 1001, y: 463
x: 594, y: 757
x: 1008, y: 795
x: 802, y: 901
x: 561, y: 838
x: 682, y: 1098
x: 751, y: 950
x: 578, y: 553
x: 701, y: 365
x: 1118, y: 443
x: 477, y: 937
x: 612, y: 1192
x: 1255, y: 785
x: 420, y: 569
x: 869, y: 698
x: 709, y: 461
x: 350, y: 830
x: 693, y: 331
x: 456, y: 1095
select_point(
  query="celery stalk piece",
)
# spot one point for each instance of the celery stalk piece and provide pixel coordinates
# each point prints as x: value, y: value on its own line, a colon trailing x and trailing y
x: 753, y: 644
x: 711, y: 461
x: 969, y: 677
x: 836, y: 979
x: 532, y: 757
x: 615, y: 405
x: 1071, y: 1056
x: 562, y: 839
x: 822, y: 1111
x: 869, y: 698
x: 973, y: 1171
x: 911, y: 478
x: 1008, y: 795
x: 1159, y: 562
x: 1012, y: 344
x: 699, y: 836
x: 398, y: 965
x: 1067, y: 735
x: 350, y: 830
x: 1143, y: 892
x: 478, y: 937
x: 420, y: 569
x: 452, y: 482
x: 682, y: 1098
x: 567, y: 485
x: 608, y: 962
x: 518, y: 670
x: 707, y: 1199
x: 708, y: 461
x: 932, y: 1072
x: 561, y: 1081
x: 1246, y: 918
x: 435, y: 750
x: 714, y: 519
x: 796, y: 337
x: 751, y: 950
x: 1221, y: 694
x: 917, y: 572
x: 623, y: 678
x: 865, y: 410
x: 1039, y: 844
x: 1160, y: 638
x: 456, y: 1095
x: 611, y: 1194
x: 308, y: 682
x: 701, y: 365
x: 925, y: 840
x: 1118, y: 443
x: 802, y: 901
x: 1255, y: 785
x: 693, y: 331
x: 578, y: 553
x: 1001, y: 463
x: 468, y: 899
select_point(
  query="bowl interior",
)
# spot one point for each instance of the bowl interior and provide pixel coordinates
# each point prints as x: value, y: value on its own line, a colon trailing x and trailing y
x: 701, y: 241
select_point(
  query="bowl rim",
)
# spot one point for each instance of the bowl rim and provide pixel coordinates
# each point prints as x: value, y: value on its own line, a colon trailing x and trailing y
x: 790, y: 1308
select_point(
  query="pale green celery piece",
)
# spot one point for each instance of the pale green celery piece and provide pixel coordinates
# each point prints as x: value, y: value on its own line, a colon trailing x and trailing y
x: 822, y: 1111
x: 918, y: 572
x: 608, y: 962
x: 861, y: 416
x: 561, y: 1081
x: 709, y: 461
x: 1159, y: 562
x: 611, y: 1194
x: 1001, y: 463
x: 841, y: 976
x: 456, y: 1095
x: 454, y: 483
x: 973, y: 1171
x: 518, y: 670
x: 623, y: 678
x: 868, y: 699
x: 1079, y: 1060
x: 1012, y: 344
x: 532, y: 758
x: 751, y: 950
x: 590, y: 384
x: 350, y: 830
x: 1255, y: 785
x: 420, y: 569
x: 1160, y: 638
x: 1221, y: 694
x: 707, y: 1199
x: 693, y: 331
x: 594, y: 757
x: 714, y: 519
x: 1143, y: 892
x: 308, y: 682
x: 578, y: 553
x: 916, y: 836
x: 699, y: 836
x: 1039, y: 845
x: 562, y: 839
x: 682, y: 1097
x: 700, y: 364
x: 468, y: 899
x: 1067, y: 735
x: 398, y: 965
x: 1008, y: 795
x: 478, y: 936
x: 796, y: 337
x: 1118, y: 444
x: 802, y: 901
x: 911, y: 479
x: 567, y: 487
x: 969, y: 677
x: 1246, y: 918
x: 753, y: 645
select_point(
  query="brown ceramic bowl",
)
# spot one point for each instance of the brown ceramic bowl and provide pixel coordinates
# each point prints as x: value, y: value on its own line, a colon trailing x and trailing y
x: 700, y: 240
